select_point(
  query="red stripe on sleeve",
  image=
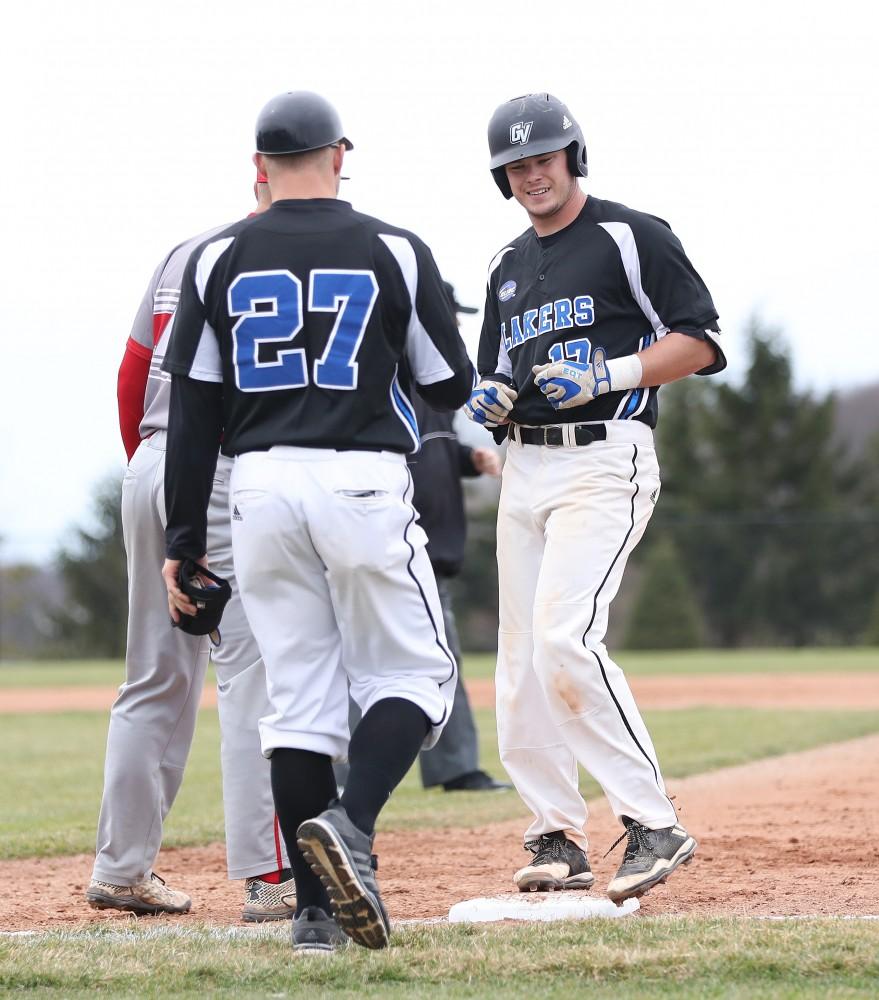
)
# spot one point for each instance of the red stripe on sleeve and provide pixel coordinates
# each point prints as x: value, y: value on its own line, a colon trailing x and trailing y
x: 160, y: 321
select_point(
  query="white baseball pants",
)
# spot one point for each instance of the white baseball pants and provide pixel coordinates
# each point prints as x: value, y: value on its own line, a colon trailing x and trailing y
x: 567, y: 521
x: 153, y: 718
x: 338, y: 588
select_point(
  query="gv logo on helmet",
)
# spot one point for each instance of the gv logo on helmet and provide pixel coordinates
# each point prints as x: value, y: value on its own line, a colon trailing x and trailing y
x: 519, y: 132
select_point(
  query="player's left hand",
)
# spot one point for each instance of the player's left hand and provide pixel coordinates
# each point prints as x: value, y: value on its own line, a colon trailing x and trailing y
x: 571, y: 383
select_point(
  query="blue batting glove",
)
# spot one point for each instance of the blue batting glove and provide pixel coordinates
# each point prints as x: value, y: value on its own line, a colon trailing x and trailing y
x: 490, y: 403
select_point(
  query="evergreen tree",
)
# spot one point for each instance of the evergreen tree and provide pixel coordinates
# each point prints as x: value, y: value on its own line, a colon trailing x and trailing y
x: 95, y: 619
x: 775, y: 525
x: 666, y: 614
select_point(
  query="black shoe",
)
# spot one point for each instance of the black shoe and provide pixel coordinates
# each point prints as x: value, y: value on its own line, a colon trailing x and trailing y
x: 651, y: 856
x: 476, y: 781
x: 558, y: 864
x: 341, y: 856
x: 315, y: 932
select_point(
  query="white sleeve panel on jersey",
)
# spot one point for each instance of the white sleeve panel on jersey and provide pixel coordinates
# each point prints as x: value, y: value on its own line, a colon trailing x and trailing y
x: 206, y: 365
x: 425, y: 362
x: 492, y: 267
x: 621, y: 233
x: 504, y: 366
x: 207, y: 261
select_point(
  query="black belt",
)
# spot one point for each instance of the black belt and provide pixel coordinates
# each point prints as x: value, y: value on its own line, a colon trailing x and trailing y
x: 553, y: 436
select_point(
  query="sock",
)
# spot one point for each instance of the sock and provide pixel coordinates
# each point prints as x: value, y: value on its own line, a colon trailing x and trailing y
x: 383, y: 748
x: 302, y: 785
x: 275, y: 877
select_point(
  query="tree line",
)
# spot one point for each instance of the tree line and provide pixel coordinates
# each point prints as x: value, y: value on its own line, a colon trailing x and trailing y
x: 765, y: 533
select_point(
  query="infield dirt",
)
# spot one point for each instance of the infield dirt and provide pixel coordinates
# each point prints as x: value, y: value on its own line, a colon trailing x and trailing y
x: 790, y: 835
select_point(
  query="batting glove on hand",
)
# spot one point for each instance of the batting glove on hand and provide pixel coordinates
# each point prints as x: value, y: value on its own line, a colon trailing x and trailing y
x: 490, y: 403
x: 571, y: 383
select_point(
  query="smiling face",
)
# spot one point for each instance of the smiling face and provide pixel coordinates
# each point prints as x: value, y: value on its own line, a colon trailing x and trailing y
x: 544, y: 187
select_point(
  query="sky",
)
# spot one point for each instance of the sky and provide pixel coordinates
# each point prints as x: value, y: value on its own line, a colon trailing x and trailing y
x: 128, y: 127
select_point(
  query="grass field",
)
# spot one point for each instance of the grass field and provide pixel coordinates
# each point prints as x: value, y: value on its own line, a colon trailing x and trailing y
x: 50, y: 777
x: 93, y: 673
x: 679, y: 958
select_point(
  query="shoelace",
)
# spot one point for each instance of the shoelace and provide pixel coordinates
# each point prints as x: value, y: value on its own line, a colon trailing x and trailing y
x: 545, y: 849
x: 638, y: 841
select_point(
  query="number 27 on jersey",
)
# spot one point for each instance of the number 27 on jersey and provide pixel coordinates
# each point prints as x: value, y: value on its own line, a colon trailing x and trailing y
x: 270, y: 307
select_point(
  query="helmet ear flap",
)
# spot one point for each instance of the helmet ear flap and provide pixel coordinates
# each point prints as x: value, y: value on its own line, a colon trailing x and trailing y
x: 500, y: 178
x: 577, y: 159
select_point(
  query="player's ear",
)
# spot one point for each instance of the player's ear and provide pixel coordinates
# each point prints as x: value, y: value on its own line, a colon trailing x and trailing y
x: 259, y: 162
x: 338, y: 157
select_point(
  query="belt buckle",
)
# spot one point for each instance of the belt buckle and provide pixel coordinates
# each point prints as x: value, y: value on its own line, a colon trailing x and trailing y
x: 555, y: 432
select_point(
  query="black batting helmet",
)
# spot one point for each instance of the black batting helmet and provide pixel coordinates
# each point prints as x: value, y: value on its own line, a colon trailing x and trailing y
x: 297, y: 122
x: 528, y: 126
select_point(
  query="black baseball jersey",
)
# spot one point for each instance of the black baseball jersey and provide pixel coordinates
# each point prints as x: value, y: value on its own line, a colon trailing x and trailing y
x: 305, y: 326
x: 313, y: 317
x: 614, y: 278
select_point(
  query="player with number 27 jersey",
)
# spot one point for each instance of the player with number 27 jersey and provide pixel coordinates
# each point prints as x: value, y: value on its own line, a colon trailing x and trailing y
x: 615, y: 279
x: 296, y: 309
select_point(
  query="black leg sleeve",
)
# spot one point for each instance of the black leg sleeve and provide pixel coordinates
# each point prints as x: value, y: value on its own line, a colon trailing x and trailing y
x: 383, y: 748
x: 303, y: 786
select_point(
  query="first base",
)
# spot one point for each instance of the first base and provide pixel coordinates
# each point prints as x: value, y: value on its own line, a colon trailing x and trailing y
x: 534, y: 906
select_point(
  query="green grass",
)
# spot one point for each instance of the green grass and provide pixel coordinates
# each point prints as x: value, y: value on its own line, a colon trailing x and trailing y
x: 90, y: 673
x: 681, y: 958
x: 855, y: 659
x: 51, y: 772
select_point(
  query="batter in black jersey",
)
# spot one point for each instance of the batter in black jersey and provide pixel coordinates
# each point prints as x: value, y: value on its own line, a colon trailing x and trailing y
x: 586, y: 314
x: 613, y: 279
x: 299, y: 335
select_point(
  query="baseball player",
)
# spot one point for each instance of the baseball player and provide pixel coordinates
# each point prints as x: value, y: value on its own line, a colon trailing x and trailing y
x: 587, y: 312
x: 299, y: 336
x: 153, y: 719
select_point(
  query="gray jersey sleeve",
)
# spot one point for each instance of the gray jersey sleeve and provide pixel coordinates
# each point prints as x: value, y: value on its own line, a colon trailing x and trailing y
x: 153, y: 324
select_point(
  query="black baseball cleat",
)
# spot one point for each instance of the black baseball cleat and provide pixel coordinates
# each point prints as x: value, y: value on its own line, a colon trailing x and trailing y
x: 558, y: 864
x: 341, y: 856
x: 651, y: 856
x: 316, y: 933
x: 476, y: 781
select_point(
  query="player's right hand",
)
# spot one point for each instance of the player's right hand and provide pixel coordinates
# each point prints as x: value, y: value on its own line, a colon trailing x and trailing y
x: 178, y: 602
x: 490, y: 403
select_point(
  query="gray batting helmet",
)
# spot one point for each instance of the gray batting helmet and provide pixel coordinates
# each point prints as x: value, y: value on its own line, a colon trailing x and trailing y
x: 528, y: 126
x: 297, y: 122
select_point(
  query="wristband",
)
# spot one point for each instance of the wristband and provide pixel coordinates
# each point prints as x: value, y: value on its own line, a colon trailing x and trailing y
x: 625, y: 373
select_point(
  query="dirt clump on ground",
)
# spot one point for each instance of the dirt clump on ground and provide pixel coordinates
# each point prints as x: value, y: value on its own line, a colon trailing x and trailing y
x: 790, y: 835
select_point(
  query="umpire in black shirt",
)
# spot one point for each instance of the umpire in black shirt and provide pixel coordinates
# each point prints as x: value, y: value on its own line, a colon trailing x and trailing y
x: 437, y: 470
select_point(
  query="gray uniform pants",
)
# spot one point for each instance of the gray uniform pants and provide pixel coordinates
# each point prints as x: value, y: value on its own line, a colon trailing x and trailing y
x: 153, y: 718
x: 457, y: 750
